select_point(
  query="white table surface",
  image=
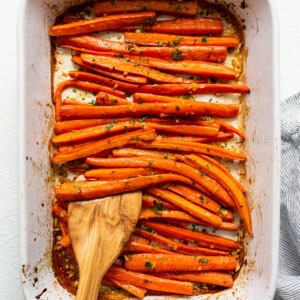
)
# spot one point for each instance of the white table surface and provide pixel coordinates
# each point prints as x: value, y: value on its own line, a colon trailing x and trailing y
x: 10, y: 289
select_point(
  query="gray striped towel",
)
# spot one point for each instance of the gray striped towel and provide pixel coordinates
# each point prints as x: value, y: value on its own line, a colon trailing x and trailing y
x: 288, y: 280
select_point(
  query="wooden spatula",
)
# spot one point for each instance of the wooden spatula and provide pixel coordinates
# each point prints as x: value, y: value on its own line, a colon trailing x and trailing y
x: 99, y: 229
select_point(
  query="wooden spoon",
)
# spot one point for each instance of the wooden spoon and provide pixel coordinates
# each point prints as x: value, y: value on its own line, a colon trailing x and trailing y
x: 99, y: 230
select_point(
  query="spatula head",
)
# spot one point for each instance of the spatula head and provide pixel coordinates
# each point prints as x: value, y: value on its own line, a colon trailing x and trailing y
x: 99, y: 230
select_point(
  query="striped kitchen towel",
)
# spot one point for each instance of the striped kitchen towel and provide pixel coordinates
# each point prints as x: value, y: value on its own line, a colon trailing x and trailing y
x: 288, y: 280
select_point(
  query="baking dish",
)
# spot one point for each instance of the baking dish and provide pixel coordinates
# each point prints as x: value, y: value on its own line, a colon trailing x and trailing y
x: 257, y: 276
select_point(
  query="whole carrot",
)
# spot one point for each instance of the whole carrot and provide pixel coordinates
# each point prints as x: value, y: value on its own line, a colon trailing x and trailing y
x: 151, y: 282
x: 165, y: 7
x: 101, y: 24
x: 85, y: 190
x: 178, y: 262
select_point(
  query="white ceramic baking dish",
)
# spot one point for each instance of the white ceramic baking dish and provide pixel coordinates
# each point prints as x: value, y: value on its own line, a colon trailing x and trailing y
x: 258, y: 276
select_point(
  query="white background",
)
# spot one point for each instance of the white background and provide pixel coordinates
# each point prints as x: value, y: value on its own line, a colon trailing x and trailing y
x: 289, y: 28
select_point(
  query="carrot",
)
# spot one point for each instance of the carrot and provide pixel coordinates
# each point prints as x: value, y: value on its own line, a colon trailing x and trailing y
x: 65, y: 238
x: 136, y: 79
x: 176, y: 246
x: 60, y: 213
x: 136, y: 247
x: 165, y: 7
x: 156, y: 109
x: 85, y: 190
x: 194, y: 147
x: 165, y: 39
x: 101, y: 24
x: 186, y: 89
x: 178, y: 262
x: 108, y: 99
x: 228, y: 127
x: 118, y: 173
x: 209, y: 277
x: 198, y: 68
x: 238, y: 197
x: 150, y: 282
x: 90, y: 87
x: 203, y: 239
x: 189, y: 26
x: 207, y: 183
x: 222, y: 168
x: 67, y: 126
x: 102, y: 145
x: 96, y: 46
x: 156, y: 203
x: 96, y: 78
x: 113, y: 63
x: 221, y: 136
x: 93, y: 132
x: 194, y: 210
x: 132, y: 289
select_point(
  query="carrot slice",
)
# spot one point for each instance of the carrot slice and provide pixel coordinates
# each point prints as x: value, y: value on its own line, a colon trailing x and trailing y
x: 176, y: 246
x: 228, y: 127
x: 101, y: 24
x: 188, y: 26
x: 230, y: 186
x: 166, y: 39
x: 102, y: 145
x: 136, y: 247
x: 85, y: 190
x: 209, y: 277
x: 165, y: 7
x: 156, y: 203
x: 65, y: 238
x: 203, y: 239
x: 178, y: 262
x: 60, y: 213
x: 151, y: 282
x: 108, y: 99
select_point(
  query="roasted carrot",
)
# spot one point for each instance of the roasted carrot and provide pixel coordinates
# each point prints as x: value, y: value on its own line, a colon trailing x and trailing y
x: 132, y: 289
x: 117, y: 173
x: 221, y: 136
x: 238, y: 197
x: 85, y: 190
x: 113, y: 63
x: 156, y: 203
x: 151, y: 282
x: 203, y: 239
x: 86, y: 86
x: 194, y: 147
x: 134, y: 63
x: 178, y: 262
x: 156, y: 109
x: 228, y: 127
x: 65, y: 240
x: 207, y: 183
x: 195, y: 197
x: 67, y: 126
x: 130, y: 78
x: 187, y: 206
x: 60, y: 213
x: 165, y: 7
x: 101, y: 24
x: 189, y: 26
x: 186, y: 89
x: 96, y: 78
x: 223, y: 168
x: 209, y: 277
x: 97, y: 46
x: 105, y: 144
x: 136, y: 247
x: 109, y: 99
x: 176, y: 246
x: 166, y: 39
